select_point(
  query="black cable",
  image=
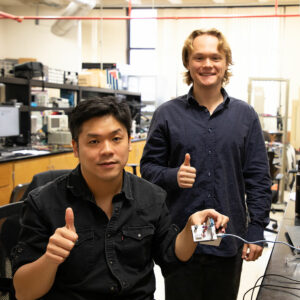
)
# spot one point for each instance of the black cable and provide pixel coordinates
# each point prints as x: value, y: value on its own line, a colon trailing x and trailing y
x: 271, y: 285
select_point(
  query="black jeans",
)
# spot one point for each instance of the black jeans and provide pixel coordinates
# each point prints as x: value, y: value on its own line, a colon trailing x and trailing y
x: 206, y: 277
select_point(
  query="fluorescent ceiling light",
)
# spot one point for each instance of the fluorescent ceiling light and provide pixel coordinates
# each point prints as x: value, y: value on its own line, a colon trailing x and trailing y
x: 175, y: 1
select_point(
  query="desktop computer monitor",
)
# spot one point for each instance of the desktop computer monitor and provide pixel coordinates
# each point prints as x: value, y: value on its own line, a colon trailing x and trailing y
x: 9, y: 121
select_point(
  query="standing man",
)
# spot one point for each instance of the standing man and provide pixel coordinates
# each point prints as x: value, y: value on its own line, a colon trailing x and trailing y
x: 94, y: 233
x: 206, y: 149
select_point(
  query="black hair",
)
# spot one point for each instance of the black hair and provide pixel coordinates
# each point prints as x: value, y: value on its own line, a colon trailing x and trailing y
x: 98, y: 107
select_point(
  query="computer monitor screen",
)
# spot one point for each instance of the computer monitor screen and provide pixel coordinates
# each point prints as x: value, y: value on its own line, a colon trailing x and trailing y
x: 9, y: 121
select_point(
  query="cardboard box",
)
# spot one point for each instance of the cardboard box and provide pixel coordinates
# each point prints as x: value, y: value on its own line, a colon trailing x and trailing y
x: 23, y: 60
x: 93, y: 78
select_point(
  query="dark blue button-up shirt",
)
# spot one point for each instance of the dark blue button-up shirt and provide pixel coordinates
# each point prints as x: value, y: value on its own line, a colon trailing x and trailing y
x: 228, y: 151
x: 113, y: 258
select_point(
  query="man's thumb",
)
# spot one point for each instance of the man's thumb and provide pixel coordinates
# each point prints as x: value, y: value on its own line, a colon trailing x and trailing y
x: 187, y: 160
x: 69, y: 217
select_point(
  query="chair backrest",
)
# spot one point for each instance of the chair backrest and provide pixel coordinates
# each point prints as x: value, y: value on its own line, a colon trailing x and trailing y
x: 271, y: 155
x: 18, y: 192
x: 9, y: 231
x: 291, y: 164
x: 10, y: 227
x: 42, y: 178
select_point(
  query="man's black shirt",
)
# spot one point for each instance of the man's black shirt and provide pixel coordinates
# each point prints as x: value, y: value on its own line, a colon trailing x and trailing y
x: 113, y: 258
x: 228, y: 151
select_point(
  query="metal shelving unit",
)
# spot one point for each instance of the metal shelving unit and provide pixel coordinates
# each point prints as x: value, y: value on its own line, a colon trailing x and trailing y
x: 284, y: 117
x: 21, y: 90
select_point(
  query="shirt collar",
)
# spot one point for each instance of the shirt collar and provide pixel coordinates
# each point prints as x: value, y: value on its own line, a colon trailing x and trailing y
x: 191, y: 99
x: 78, y: 186
x: 127, y: 186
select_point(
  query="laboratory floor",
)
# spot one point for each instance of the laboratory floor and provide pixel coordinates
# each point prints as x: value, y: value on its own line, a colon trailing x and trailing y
x: 251, y: 270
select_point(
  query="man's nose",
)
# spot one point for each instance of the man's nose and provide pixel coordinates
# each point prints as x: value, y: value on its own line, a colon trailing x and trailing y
x: 207, y: 62
x: 107, y: 147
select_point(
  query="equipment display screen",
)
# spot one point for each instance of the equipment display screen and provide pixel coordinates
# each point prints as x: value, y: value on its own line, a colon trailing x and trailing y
x: 9, y: 121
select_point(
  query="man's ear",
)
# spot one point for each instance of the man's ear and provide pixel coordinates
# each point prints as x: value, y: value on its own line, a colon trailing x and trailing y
x: 129, y: 144
x: 75, y: 148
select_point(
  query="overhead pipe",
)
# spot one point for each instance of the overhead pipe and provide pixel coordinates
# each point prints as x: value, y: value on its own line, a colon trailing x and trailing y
x: 129, y: 8
x: 21, y: 18
x: 75, y: 8
x: 4, y: 15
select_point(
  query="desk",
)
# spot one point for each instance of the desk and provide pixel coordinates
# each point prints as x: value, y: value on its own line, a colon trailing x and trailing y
x: 16, y: 170
x: 277, y: 264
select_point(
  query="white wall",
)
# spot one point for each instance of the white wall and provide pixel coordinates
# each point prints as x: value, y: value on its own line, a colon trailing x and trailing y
x: 105, y: 40
x: 262, y: 47
x: 26, y: 39
x: 255, y: 43
x: 100, y: 41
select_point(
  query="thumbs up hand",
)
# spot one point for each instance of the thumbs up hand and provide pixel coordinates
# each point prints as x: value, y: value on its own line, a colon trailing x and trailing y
x: 63, y: 240
x: 69, y: 218
x: 186, y: 174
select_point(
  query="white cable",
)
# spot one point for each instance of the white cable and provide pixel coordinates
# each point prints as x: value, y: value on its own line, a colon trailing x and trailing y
x: 256, y: 242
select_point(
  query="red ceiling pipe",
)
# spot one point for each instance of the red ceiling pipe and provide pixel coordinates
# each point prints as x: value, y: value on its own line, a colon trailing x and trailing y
x: 129, y: 8
x: 20, y: 18
x: 276, y: 6
x: 4, y: 15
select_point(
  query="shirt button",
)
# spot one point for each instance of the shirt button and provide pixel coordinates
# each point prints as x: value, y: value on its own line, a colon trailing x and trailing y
x: 112, y: 288
x: 208, y: 196
x: 111, y: 262
x: 124, y: 283
x: 208, y: 174
x: 209, y: 152
x: 116, y: 209
x: 209, y: 129
x: 108, y: 235
x: 139, y: 235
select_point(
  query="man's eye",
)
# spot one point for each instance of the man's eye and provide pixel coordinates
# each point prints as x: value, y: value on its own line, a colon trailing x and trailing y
x: 93, y: 142
x: 116, y: 139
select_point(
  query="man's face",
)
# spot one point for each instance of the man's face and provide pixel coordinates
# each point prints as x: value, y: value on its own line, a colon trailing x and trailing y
x: 207, y: 65
x: 103, y: 147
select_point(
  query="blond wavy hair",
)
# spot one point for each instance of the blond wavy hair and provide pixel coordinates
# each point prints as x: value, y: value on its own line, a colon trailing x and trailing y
x: 223, y: 47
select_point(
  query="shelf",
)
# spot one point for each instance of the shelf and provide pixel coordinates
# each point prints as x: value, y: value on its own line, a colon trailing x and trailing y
x: 40, y: 83
x: 51, y: 85
x: 21, y: 89
x: 14, y: 80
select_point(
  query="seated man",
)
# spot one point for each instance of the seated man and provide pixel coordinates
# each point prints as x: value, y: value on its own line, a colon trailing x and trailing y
x: 94, y: 233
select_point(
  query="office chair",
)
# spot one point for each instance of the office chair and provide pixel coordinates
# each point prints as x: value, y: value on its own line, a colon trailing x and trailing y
x: 288, y: 180
x: 133, y: 166
x: 276, y: 178
x: 9, y: 231
x: 42, y: 178
x: 10, y: 227
x: 18, y: 192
